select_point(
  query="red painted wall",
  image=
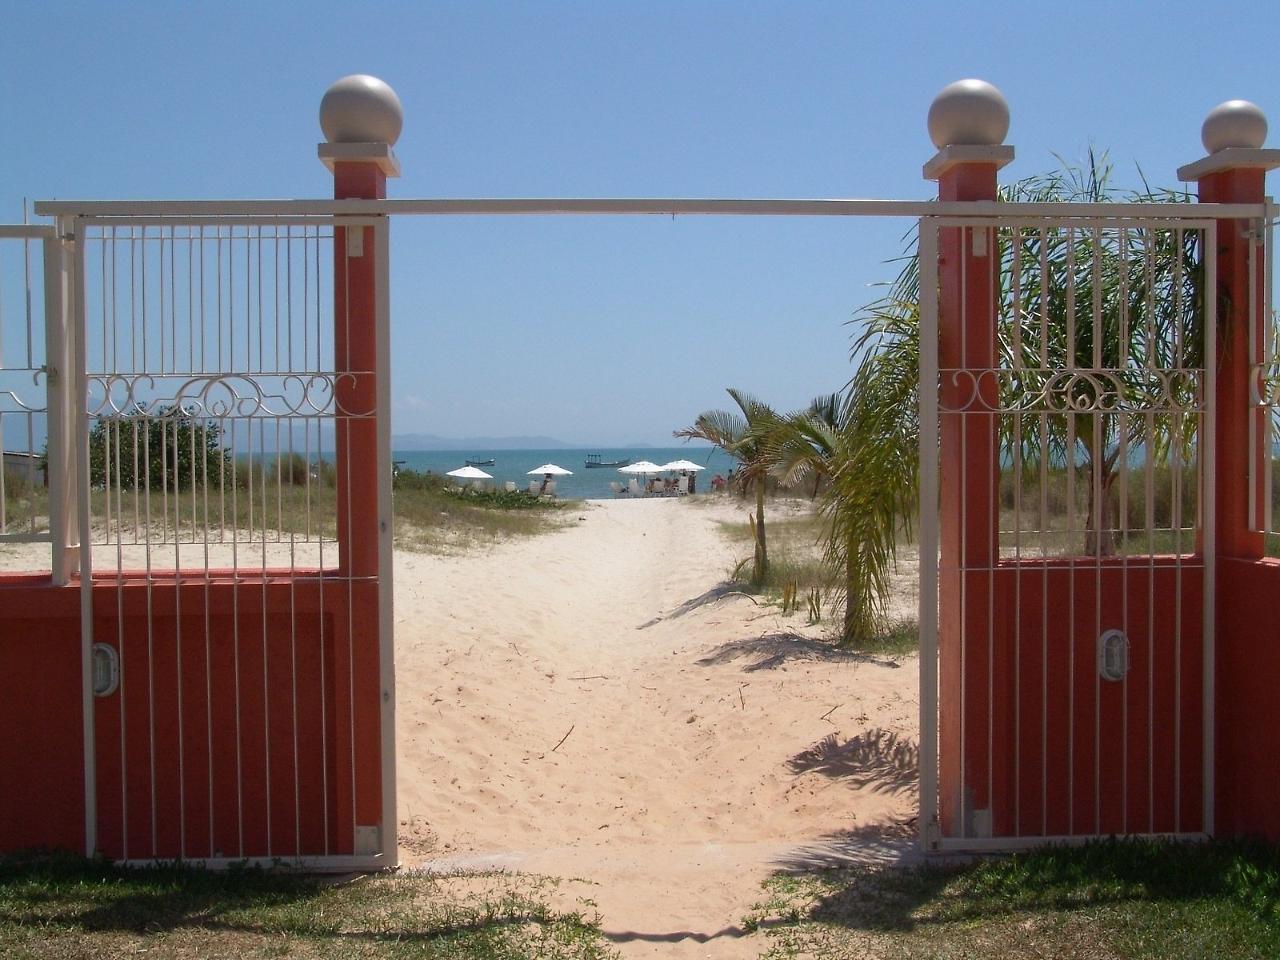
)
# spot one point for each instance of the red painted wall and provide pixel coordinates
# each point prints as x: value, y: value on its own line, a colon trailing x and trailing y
x: 244, y: 745
x: 1135, y: 761
x: 41, y: 752
x: 1025, y: 759
x: 1248, y: 699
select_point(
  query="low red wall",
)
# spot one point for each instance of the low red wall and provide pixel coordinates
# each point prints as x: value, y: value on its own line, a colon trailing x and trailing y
x: 41, y: 723
x: 1050, y: 748
x: 247, y: 722
x: 1247, y: 771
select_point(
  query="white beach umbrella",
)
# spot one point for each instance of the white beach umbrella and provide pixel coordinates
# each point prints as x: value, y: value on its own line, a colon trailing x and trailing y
x: 683, y: 465
x: 469, y: 473
x: 641, y: 466
x: 550, y: 468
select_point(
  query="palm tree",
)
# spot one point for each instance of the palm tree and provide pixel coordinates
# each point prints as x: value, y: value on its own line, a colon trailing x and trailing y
x: 874, y: 463
x: 802, y: 445
x: 746, y: 437
x: 1140, y: 286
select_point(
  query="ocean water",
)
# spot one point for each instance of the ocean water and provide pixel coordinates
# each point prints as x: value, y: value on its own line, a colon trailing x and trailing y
x: 585, y: 484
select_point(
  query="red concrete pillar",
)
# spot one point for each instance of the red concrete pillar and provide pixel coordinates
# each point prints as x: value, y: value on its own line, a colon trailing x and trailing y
x: 1246, y: 653
x: 361, y: 117
x: 1235, y: 172
x: 967, y: 122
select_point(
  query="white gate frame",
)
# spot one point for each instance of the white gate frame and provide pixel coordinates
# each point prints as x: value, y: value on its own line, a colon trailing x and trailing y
x: 1191, y: 216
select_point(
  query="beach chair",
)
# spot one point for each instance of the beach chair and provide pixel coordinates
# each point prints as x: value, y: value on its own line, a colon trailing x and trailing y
x: 682, y: 486
x: 510, y: 486
x: 551, y: 488
x: 616, y: 487
x: 634, y: 487
x: 535, y: 487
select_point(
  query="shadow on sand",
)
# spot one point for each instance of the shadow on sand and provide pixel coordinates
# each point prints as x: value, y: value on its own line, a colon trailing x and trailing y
x: 773, y: 650
x: 723, y: 589
x: 881, y: 844
x: 882, y: 760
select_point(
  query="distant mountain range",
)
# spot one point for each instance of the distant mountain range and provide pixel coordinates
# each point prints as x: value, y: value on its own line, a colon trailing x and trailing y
x: 429, y: 441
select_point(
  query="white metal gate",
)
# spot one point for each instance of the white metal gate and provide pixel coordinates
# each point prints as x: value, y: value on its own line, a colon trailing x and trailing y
x: 1066, y: 547
x: 197, y: 378
x: 218, y: 584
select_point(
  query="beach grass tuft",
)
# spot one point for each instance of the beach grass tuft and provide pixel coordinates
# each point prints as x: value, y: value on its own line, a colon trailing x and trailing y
x: 800, y: 581
x: 796, y: 567
x: 899, y: 638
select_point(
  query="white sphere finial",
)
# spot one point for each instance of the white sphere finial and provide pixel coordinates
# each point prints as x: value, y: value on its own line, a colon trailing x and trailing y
x: 969, y: 113
x: 1235, y: 123
x: 361, y: 109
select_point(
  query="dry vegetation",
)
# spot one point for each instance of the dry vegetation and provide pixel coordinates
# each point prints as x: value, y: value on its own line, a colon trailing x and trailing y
x: 807, y: 587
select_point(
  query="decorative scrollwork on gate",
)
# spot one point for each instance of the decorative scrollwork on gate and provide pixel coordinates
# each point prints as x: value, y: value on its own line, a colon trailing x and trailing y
x: 231, y: 395
x: 1264, y: 384
x: 1067, y: 391
x: 15, y: 398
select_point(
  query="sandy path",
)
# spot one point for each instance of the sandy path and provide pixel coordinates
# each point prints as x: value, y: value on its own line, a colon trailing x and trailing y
x: 591, y: 705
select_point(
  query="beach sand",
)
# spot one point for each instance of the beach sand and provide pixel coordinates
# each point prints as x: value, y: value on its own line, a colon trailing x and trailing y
x: 597, y: 704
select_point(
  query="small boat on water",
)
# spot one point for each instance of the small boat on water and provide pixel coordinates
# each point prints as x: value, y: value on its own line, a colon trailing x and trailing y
x: 593, y: 461
x: 481, y: 463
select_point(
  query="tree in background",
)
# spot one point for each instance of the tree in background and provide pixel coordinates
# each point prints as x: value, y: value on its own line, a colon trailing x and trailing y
x: 167, y: 449
x: 1114, y: 301
x: 875, y: 462
x: 802, y: 445
x: 745, y: 436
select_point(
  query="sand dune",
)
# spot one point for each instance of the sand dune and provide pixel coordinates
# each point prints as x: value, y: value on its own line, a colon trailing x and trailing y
x: 597, y: 704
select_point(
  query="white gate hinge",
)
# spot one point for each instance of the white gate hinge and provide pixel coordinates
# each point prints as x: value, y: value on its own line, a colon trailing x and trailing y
x: 979, y: 235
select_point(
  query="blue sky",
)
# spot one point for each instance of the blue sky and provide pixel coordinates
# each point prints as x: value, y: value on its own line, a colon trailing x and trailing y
x: 607, y: 330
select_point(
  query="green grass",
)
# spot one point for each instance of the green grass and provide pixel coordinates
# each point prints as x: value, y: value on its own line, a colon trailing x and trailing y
x: 63, y: 907
x: 1115, y: 899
